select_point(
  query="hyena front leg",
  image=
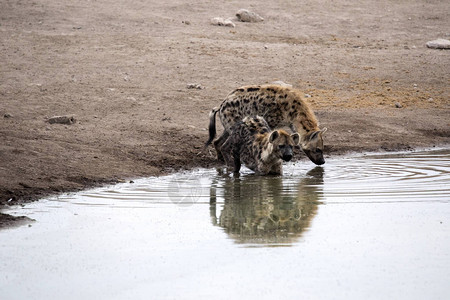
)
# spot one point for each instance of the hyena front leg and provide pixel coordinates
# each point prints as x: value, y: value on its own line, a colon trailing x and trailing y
x: 294, y: 129
x: 237, y: 158
x: 276, y: 169
x: 218, y: 144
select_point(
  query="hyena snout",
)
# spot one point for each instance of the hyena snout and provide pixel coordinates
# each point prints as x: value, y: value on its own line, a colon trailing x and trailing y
x: 316, y: 156
x: 312, y: 145
x: 287, y: 153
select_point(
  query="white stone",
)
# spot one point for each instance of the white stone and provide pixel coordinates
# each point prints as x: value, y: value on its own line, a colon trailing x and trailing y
x: 439, y: 44
x: 195, y: 86
x: 279, y: 82
x: 245, y: 15
x: 218, y: 21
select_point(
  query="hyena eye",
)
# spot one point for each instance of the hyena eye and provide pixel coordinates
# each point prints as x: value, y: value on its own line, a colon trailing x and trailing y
x: 318, y: 150
x: 281, y: 146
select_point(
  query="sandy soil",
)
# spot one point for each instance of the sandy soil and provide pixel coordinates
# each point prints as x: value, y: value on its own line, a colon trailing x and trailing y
x: 122, y: 69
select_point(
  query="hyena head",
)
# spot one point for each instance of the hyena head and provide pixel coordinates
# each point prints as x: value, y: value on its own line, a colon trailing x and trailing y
x: 312, y: 145
x: 283, y: 143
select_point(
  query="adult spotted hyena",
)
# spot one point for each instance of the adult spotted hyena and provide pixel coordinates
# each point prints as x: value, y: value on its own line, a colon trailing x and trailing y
x: 253, y: 143
x: 280, y: 106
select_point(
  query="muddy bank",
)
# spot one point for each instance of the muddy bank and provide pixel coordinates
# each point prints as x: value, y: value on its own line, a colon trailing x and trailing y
x: 44, y: 167
x: 122, y: 71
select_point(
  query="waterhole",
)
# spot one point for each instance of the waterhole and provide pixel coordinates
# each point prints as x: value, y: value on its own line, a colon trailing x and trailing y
x: 359, y: 227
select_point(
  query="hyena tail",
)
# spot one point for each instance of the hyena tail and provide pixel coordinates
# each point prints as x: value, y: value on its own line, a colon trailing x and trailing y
x: 212, y: 126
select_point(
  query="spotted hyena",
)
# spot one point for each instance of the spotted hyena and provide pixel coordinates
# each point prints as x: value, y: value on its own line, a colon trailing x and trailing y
x: 280, y: 106
x: 261, y: 149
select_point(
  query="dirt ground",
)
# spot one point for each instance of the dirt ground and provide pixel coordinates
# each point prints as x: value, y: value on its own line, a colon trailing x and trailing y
x: 122, y: 69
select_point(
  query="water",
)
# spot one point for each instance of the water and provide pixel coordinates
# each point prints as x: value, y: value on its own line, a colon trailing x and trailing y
x: 366, y: 227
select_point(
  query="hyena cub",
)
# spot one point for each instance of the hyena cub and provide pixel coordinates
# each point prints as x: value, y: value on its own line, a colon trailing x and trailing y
x: 280, y: 106
x: 262, y: 150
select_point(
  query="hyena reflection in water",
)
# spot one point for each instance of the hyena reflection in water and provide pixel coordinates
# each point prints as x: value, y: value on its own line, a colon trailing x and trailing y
x: 267, y: 210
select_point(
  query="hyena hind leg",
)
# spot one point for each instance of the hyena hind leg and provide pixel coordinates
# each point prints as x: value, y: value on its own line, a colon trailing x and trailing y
x: 218, y: 144
x: 226, y: 151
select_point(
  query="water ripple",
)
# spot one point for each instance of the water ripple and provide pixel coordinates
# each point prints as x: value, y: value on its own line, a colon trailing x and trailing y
x: 415, y: 176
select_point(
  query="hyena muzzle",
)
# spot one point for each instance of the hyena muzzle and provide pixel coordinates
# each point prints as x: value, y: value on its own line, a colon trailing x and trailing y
x: 280, y: 106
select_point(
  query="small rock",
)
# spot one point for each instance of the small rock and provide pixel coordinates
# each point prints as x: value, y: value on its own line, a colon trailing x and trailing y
x: 245, y: 15
x: 186, y: 22
x: 279, y: 82
x: 228, y: 23
x: 222, y: 22
x: 308, y: 96
x: 7, y: 115
x: 398, y: 105
x: 68, y: 120
x: 430, y: 99
x: 196, y: 86
x: 439, y: 44
x: 218, y: 21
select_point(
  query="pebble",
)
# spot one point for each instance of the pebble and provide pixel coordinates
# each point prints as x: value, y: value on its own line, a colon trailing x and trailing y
x: 68, y: 120
x: 7, y: 115
x: 439, y: 44
x: 218, y: 21
x: 196, y: 86
x: 245, y: 15
x: 398, y: 105
x: 279, y: 82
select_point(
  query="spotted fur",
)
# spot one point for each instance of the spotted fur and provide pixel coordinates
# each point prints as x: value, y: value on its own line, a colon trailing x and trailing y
x: 261, y: 149
x: 280, y: 106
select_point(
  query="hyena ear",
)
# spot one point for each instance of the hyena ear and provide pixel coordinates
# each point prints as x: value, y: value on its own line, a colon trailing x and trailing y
x: 273, y: 136
x: 296, y: 138
x: 314, y: 135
